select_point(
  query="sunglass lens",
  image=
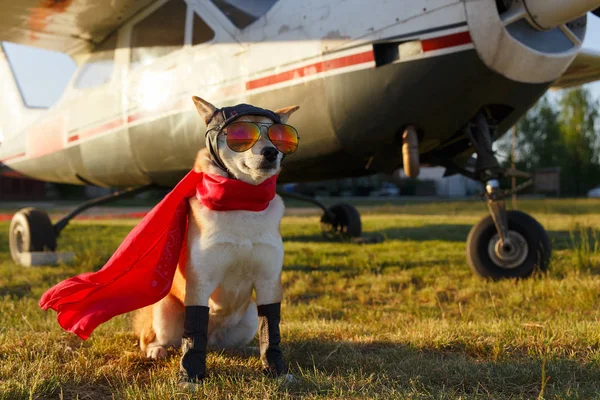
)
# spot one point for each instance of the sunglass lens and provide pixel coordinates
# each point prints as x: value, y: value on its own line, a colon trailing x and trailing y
x: 284, y: 137
x: 242, y: 135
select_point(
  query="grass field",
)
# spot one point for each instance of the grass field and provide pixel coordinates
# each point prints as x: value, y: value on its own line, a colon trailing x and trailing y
x: 401, y: 319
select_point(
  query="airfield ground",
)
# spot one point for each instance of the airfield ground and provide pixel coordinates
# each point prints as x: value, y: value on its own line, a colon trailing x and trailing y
x: 401, y: 319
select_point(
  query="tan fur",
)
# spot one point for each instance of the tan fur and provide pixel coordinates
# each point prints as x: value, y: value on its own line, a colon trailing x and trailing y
x: 142, y: 326
x: 285, y: 113
x: 203, y: 162
x: 205, y: 109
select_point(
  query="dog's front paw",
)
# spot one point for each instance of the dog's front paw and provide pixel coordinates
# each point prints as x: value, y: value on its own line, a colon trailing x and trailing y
x: 287, y: 379
x: 189, y: 386
x: 156, y: 352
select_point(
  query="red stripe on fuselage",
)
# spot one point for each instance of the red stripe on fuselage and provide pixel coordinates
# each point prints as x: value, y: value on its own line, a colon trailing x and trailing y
x: 12, y: 157
x: 98, y: 129
x: 438, y: 43
x: 443, y: 42
x: 312, y: 69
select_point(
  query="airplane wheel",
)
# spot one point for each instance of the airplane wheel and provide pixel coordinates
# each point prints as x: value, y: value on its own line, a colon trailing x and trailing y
x: 341, y: 220
x: 529, y: 248
x: 30, y: 230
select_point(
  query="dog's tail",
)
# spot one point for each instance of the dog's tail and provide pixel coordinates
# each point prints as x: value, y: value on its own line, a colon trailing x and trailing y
x: 142, y: 326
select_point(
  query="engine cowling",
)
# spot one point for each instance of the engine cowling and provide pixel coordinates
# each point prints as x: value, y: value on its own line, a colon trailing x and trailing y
x: 530, y: 41
x: 548, y: 14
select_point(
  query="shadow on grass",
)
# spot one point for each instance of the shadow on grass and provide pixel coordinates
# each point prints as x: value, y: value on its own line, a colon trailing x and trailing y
x: 384, y: 367
x: 336, y: 368
x: 103, y: 236
x: 319, y: 268
x: 436, y: 232
x: 376, y: 268
x: 442, y: 232
x: 450, y: 371
x: 16, y: 291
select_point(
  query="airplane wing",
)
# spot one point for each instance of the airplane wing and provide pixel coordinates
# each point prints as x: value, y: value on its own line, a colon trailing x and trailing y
x: 68, y: 26
x: 585, y: 69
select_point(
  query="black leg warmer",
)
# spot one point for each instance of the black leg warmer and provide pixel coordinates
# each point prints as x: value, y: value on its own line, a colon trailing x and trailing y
x: 269, y: 338
x: 193, y: 345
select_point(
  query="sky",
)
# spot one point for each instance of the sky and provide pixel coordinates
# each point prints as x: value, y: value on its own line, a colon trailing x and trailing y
x: 43, y: 74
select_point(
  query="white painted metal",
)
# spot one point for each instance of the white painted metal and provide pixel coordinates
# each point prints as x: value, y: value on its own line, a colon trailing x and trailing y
x: 585, y: 68
x: 506, y: 55
x: 547, y: 14
x: 38, y: 258
x: 515, y: 13
x: 291, y: 35
x: 69, y: 26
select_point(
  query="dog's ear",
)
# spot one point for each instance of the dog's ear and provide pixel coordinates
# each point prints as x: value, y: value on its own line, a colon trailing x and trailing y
x: 285, y: 113
x: 205, y: 109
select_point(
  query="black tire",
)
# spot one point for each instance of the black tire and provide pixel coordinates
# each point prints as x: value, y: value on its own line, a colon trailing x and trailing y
x: 343, y: 221
x: 30, y: 230
x: 485, y: 262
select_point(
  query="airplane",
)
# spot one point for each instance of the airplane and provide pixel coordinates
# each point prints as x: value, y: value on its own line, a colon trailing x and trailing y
x: 380, y: 85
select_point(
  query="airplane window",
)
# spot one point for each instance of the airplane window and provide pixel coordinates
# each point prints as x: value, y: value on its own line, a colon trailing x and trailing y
x: 201, y: 32
x: 244, y: 12
x: 32, y: 67
x: 99, y: 68
x: 159, y: 34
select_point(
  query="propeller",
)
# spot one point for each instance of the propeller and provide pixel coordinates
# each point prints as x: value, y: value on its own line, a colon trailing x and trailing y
x: 547, y: 14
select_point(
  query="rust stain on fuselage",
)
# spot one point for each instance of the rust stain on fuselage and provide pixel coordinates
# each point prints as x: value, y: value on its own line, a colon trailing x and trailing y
x: 38, y: 17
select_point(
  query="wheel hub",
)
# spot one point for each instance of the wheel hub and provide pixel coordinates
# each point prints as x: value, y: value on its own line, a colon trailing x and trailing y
x: 510, y: 254
x: 19, y: 238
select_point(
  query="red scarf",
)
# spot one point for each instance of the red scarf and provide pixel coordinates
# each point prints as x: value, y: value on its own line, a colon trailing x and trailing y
x: 141, y: 271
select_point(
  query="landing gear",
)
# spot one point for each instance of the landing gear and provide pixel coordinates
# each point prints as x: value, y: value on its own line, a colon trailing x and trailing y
x: 340, y: 222
x: 525, y: 249
x: 506, y: 244
x: 32, y: 233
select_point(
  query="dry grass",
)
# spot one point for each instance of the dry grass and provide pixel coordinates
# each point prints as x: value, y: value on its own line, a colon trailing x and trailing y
x: 402, y: 319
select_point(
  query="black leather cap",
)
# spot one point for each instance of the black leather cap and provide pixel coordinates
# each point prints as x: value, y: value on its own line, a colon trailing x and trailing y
x: 226, y: 115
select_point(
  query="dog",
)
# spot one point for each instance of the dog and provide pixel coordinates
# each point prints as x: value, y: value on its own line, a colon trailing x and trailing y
x: 230, y: 254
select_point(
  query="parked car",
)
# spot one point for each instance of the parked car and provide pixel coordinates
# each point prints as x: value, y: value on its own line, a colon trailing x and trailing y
x: 386, y: 189
x: 595, y: 192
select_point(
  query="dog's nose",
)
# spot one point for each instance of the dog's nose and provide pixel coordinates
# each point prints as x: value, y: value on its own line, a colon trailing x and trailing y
x: 270, y: 153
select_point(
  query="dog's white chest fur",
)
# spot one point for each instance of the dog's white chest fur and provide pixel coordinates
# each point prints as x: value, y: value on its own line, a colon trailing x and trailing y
x: 241, y: 228
x: 232, y: 252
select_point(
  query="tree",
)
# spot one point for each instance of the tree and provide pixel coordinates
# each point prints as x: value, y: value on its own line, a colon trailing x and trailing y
x: 539, y: 137
x: 562, y: 134
x: 580, y: 158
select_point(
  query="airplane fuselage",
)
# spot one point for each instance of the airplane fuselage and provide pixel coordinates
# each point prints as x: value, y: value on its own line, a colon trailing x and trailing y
x: 359, y: 74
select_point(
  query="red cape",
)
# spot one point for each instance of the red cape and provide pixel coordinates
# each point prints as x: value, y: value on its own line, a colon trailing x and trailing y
x: 141, y: 271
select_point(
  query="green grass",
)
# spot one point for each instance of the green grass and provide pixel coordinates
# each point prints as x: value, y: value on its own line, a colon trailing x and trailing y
x: 401, y: 319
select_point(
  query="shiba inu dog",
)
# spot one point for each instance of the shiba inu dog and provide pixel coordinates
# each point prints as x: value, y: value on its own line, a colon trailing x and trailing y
x: 230, y: 253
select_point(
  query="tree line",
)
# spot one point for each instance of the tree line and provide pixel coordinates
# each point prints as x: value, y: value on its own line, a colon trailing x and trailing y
x: 560, y: 131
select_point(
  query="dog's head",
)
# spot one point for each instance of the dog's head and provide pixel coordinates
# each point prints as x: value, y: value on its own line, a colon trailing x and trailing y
x: 259, y: 162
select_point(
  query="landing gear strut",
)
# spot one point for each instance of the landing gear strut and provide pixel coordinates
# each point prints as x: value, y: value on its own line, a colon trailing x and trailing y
x: 507, y: 244
x: 32, y: 232
x: 339, y: 222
